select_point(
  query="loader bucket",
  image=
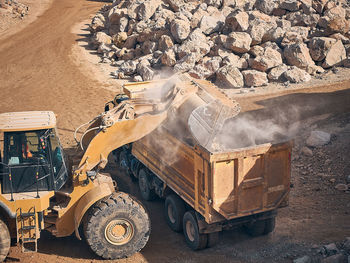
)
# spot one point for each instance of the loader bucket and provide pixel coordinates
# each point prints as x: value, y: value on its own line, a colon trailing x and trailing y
x: 206, y: 121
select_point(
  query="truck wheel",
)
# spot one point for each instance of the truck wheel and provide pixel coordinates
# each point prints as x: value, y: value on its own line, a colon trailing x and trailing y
x: 5, y: 241
x: 269, y: 225
x: 256, y: 228
x: 193, y: 238
x: 213, y: 239
x: 145, y: 185
x: 174, y: 210
x: 117, y: 226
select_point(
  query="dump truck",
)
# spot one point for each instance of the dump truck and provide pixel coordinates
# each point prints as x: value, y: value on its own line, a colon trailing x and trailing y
x: 207, y: 187
x: 44, y: 187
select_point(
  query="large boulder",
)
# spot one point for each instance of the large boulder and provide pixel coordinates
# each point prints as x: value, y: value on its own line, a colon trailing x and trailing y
x: 147, y: 9
x: 230, y: 77
x: 335, y: 55
x: 276, y: 74
x: 210, y: 24
x: 97, y: 23
x: 296, y: 75
x: 298, y: 55
x: 269, y: 59
x: 237, y: 21
x: 168, y: 58
x: 100, y: 38
x: 319, y: 47
x: 180, y: 29
x: 254, y: 78
x: 238, y: 42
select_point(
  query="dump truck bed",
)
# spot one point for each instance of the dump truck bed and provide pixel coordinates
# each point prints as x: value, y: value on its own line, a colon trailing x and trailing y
x: 221, y: 185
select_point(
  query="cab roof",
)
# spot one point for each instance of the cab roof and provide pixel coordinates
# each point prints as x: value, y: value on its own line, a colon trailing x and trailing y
x: 27, y: 121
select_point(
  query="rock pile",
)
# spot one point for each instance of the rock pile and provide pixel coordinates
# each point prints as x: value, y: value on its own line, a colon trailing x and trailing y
x: 17, y: 9
x: 234, y: 42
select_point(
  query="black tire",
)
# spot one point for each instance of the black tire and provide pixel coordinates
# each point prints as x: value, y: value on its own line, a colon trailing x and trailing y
x: 194, y: 239
x: 145, y: 180
x: 174, y: 210
x: 5, y: 241
x: 118, y: 212
x: 255, y: 228
x: 269, y: 225
x: 213, y: 239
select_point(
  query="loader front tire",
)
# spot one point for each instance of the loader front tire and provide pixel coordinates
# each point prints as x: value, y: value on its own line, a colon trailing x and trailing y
x: 5, y: 241
x: 117, y: 226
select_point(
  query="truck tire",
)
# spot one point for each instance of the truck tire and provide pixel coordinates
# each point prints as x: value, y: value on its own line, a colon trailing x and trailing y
x: 255, y: 228
x: 5, y: 241
x: 117, y: 226
x: 269, y: 225
x: 194, y: 239
x: 213, y: 239
x: 147, y: 193
x: 174, y: 210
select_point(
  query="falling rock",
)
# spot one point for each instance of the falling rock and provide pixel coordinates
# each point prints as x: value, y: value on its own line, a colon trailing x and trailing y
x: 230, y: 77
x: 147, y: 9
x: 341, y: 187
x: 304, y: 259
x: 298, y: 55
x: 319, y: 47
x: 276, y: 73
x: 237, y: 21
x: 146, y: 72
x: 210, y: 24
x: 254, y: 78
x: 180, y: 29
x: 168, y: 58
x: 296, y: 75
x: 318, y: 138
x: 306, y: 151
x: 335, y: 55
x: 238, y: 42
x: 271, y: 58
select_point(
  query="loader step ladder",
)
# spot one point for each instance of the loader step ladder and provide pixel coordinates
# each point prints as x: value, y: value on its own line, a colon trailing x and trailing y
x: 27, y: 232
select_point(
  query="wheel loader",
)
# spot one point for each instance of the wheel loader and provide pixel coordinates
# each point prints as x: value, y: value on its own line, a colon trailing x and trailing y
x: 44, y: 187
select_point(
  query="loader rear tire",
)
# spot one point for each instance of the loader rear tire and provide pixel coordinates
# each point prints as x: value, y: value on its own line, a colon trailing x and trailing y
x: 194, y: 239
x: 5, y: 241
x: 117, y: 226
x: 146, y: 191
x: 174, y: 210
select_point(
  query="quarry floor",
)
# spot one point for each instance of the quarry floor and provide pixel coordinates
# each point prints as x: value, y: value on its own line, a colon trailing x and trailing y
x: 45, y: 65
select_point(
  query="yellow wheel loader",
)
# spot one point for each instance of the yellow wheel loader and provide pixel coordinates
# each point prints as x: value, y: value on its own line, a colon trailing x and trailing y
x: 46, y: 188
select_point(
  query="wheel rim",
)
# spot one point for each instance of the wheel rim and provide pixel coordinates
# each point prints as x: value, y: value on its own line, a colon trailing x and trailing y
x: 119, y: 232
x: 190, y: 232
x: 171, y: 213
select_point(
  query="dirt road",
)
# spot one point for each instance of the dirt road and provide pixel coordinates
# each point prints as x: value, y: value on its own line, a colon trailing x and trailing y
x: 37, y: 73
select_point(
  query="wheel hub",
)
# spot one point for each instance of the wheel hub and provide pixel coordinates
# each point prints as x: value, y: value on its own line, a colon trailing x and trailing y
x: 190, y: 231
x: 119, y: 231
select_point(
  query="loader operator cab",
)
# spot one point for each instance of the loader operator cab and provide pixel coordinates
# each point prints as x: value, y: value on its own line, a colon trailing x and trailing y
x: 32, y: 157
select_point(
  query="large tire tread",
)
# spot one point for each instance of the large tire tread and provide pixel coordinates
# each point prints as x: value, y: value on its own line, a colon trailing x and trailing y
x: 5, y: 240
x: 108, y: 209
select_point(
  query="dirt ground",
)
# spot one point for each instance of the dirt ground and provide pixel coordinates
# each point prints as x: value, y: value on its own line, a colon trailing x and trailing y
x: 44, y: 65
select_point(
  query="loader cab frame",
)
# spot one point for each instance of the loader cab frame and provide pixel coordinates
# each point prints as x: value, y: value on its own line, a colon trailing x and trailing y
x: 32, y: 160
